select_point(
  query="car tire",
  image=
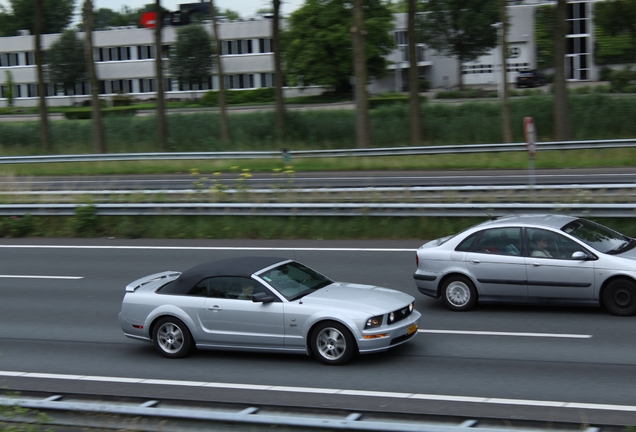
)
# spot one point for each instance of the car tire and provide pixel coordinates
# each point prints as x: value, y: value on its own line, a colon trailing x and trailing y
x: 619, y: 297
x: 332, y: 343
x: 172, y: 338
x: 459, y: 293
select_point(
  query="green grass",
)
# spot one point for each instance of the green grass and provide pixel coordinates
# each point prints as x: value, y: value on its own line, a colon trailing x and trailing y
x: 254, y: 227
x: 592, y: 117
x: 515, y: 160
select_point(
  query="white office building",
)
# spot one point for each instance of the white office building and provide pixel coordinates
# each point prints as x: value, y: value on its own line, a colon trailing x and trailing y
x: 125, y: 59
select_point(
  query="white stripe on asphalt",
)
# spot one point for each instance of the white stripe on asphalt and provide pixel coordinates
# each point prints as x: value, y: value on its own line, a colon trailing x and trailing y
x: 491, y: 333
x: 40, y: 277
x: 287, y: 389
x: 211, y: 248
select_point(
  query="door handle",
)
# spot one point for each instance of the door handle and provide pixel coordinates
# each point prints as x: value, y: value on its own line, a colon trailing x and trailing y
x: 215, y: 308
x: 536, y: 264
x: 475, y: 261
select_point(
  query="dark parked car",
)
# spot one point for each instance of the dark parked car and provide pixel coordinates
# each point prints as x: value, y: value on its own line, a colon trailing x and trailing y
x: 530, y: 78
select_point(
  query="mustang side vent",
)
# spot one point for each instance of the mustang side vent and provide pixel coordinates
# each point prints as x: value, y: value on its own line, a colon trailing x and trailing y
x: 131, y: 287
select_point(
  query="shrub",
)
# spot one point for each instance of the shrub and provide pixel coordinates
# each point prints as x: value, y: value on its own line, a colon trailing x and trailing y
x: 87, y: 113
x: 424, y: 85
x: 85, y: 221
x: 621, y: 79
x: 121, y: 100
x: 21, y: 226
x: 237, y: 97
x: 606, y: 73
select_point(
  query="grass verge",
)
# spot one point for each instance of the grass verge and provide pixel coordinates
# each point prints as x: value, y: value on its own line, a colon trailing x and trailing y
x: 251, y: 227
x: 624, y: 157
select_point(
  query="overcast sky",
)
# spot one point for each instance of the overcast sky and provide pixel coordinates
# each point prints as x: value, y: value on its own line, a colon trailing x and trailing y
x: 245, y: 8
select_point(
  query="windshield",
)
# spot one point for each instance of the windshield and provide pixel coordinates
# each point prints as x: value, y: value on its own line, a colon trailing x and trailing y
x: 294, y: 280
x: 598, y: 236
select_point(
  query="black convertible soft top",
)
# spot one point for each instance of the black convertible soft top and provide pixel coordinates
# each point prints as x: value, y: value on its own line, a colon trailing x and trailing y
x: 241, y: 266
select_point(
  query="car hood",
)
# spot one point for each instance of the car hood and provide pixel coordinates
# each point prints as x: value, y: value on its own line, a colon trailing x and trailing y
x: 366, y: 298
x: 630, y: 254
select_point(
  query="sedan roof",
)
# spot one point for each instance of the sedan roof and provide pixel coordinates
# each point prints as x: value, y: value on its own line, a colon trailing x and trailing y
x: 237, y: 267
x: 549, y: 220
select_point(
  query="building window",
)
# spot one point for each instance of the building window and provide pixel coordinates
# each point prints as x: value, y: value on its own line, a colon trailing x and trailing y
x: 266, y: 80
x: 265, y: 45
x: 145, y: 52
x: 400, y: 38
x: 120, y: 86
x: 9, y: 59
x: 30, y: 58
x: 146, y: 85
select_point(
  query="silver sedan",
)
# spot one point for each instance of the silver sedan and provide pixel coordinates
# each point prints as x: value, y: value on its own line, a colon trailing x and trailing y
x: 546, y: 259
x: 265, y: 304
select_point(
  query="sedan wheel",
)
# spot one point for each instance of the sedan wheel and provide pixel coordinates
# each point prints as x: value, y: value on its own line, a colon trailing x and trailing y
x: 619, y: 297
x: 172, y: 338
x: 332, y: 343
x: 459, y: 293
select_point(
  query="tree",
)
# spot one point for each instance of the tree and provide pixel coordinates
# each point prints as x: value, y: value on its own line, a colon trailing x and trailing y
x: 617, y: 17
x: 45, y: 140
x: 66, y: 61
x: 503, y: 54
x: 358, y: 33
x: 99, y: 140
x: 225, y: 129
x: 318, y: 42
x: 57, y: 15
x: 191, y: 55
x: 562, y: 127
x: 460, y: 28
x: 230, y: 14
x: 278, y: 74
x: 544, y: 17
x: 8, y: 93
x: 162, y: 127
x: 415, y: 122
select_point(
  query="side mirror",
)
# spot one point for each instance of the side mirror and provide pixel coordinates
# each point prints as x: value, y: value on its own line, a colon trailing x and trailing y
x: 579, y: 255
x: 262, y: 297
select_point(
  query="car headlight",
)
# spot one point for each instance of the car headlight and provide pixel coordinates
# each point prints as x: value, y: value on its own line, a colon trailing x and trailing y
x: 372, y: 322
x: 391, y: 317
x: 411, y: 307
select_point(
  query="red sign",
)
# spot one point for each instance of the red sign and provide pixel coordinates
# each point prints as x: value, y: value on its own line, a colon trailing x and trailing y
x: 148, y: 19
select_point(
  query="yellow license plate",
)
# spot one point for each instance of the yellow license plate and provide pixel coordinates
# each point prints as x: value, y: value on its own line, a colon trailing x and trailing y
x: 412, y: 328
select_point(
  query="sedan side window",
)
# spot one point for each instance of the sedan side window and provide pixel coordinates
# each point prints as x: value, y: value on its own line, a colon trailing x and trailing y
x: 548, y: 244
x: 500, y: 241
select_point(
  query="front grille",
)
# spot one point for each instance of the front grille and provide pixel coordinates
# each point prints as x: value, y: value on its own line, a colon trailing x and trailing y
x: 400, y: 314
x: 402, y: 338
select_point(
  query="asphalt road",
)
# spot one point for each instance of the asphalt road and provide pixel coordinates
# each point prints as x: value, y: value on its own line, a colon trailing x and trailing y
x: 331, y: 179
x: 532, y: 363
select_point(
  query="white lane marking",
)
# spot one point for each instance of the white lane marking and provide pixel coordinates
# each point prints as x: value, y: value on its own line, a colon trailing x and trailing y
x: 212, y: 248
x: 366, y: 393
x: 41, y: 277
x: 491, y: 333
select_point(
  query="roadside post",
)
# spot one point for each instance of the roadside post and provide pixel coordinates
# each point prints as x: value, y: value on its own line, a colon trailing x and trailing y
x: 529, y: 132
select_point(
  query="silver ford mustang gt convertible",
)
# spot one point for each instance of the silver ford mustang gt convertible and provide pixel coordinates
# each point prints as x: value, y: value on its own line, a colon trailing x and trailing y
x: 265, y: 304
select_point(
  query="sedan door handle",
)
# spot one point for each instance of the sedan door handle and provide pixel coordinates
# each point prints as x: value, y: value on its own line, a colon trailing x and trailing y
x: 215, y: 308
x: 536, y: 264
x: 475, y: 261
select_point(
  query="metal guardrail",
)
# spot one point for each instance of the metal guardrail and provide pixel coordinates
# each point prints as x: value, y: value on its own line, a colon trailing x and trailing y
x: 249, y: 416
x: 326, y: 209
x: 389, y: 151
